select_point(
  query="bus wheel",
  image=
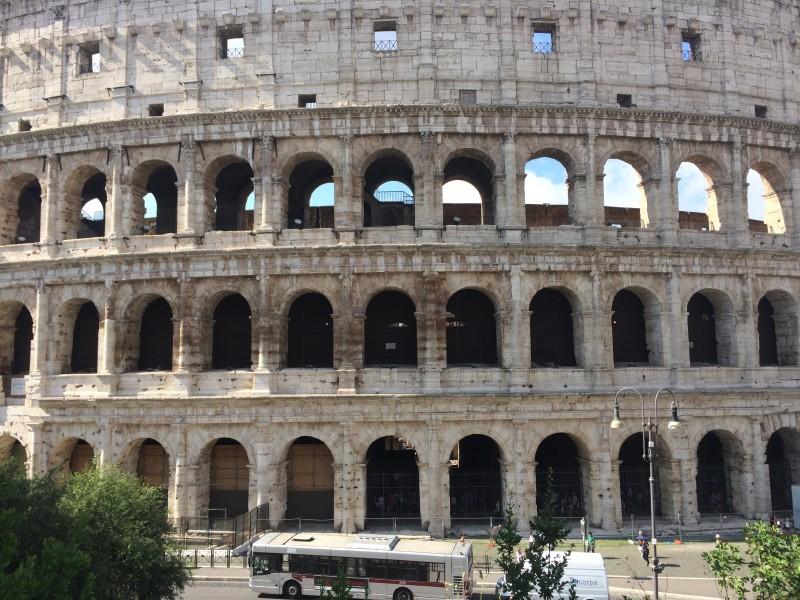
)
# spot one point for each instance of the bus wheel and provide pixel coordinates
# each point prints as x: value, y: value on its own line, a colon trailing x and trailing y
x: 292, y: 590
x: 403, y: 594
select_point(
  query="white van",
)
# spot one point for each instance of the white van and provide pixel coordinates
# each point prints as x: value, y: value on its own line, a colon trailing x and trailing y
x: 586, y: 569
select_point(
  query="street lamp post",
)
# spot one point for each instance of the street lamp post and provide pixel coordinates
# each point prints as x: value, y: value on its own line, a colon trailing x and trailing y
x: 649, y: 427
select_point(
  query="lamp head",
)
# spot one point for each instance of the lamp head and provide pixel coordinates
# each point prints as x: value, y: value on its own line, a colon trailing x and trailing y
x: 616, y: 422
x: 674, y: 421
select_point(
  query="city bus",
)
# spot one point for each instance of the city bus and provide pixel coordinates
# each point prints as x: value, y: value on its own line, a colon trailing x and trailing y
x: 380, y: 567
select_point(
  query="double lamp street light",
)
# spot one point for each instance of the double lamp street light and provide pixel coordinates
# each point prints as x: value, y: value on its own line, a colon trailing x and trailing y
x: 649, y: 437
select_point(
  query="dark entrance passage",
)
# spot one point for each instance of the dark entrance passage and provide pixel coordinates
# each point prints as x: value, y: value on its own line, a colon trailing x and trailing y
x: 23, y: 336
x: 155, y: 337
x: 234, y: 184
x: 29, y: 214
x: 81, y: 457
x: 471, y: 334
x: 309, y: 493
x: 702, y: 331
x: 153, y: 464
x: 162, y: 184
x: 783, y: 460
x: 476, y: 481
x: 93, y: 197
x: 390, y: 331
x: 552, y: 343
x: 558, y: 476
x: 310, y: 333
x: 229, y: 479
x: 84, y: 340
x: 628, y: 330
x: 232, y: 344
x: 767, y: 341
x: 713, y: 477
x: 392, y: 483
x: 634, y: 479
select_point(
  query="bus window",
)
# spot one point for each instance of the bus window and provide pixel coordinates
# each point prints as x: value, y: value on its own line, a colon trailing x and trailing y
x: 296, y: 563
x: 436, y: 572
x: 264, y: 564
x: 356, y: 567
x: 285, y: 563
x: 405, y: 570
x: 375, y: 568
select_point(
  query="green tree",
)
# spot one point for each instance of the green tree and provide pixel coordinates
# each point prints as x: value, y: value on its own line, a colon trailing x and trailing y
x: 534, y: 570
x: 121, y: 523
x: 773, y: 560
x: 341, y: 588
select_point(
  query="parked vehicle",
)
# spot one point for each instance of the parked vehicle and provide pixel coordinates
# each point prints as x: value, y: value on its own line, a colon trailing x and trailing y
x: 586, y: 569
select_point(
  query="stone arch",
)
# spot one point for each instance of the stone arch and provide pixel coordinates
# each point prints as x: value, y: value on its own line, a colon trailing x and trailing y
x: 561, y: 477
x: 390, y: 330
x: 634, y: 474
x: 229, y: 182
x: 782, y: 455
x: 777, y: 328
x: 157, y: 179
x: 129, y: 350
x: 388, y: 207
x: 224, y: 467
x: 83, y: 184
x: 16, y: 337
x: 553, y: 324
x: 546, y: 207
x: 309, y: 172
x: 392, y: 482
x: 714, y: 176
x: 72, y: 455
x: 721, y: 463
x: 151, y: 461
x: 476, y: 478
x: 471, y: 329
x: 636, y: 327
x: 476, y: 169
x: 711, y: 324
x: 618, y: 213
x: 310, y: 339
x: 775, y: 188
x: 12, y: 449
x: 231, y: 343
x: 78, y: 336
x: 20, y: 209
x: 309, y: 480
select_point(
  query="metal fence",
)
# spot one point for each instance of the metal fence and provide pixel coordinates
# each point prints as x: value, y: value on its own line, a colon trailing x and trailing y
x: 385, y: 45
x: 223, y: 530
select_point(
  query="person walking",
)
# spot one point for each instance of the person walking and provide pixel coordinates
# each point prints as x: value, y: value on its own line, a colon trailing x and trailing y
x: 644, y: 548
x: 590, y: 541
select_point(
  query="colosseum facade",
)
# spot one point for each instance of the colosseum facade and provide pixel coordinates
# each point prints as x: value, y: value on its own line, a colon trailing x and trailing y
x: 175, y: 298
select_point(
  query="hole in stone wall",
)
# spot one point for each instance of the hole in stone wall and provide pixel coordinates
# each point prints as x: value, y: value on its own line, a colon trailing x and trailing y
x: 471, y: 329
x: 551, y: 330
x: 628, y: 330
x: 23, y: 336
x: 311, y: 196
x: 29, y: 211
x: 389, y: 192
x: 390, y: 331
x: 468, y: 192
x: 234, y: 185
x: 310, y: 333
x: 232, y: 343
x: 155, y: 337
x: 84, y: 340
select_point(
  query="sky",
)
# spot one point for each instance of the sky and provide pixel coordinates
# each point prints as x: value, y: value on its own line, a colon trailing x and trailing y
x: 545, y: 183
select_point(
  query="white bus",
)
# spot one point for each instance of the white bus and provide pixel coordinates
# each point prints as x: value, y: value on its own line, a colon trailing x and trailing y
x: 386, y: 567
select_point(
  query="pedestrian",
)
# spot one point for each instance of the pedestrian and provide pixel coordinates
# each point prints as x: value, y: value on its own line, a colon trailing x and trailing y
x: 717, y: 540
x: 644, y: 548
x: 590, y: 542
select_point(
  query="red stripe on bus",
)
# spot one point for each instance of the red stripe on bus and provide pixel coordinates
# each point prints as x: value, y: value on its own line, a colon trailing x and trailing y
x: 374, y: 580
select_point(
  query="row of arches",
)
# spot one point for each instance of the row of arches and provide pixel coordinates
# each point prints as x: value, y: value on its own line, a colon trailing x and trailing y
x: 475, y: 473
x: 387, y: 188
x: 390, y: 336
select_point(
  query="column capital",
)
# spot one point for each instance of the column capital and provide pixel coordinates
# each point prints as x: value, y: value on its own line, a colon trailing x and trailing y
x: 509, y: 137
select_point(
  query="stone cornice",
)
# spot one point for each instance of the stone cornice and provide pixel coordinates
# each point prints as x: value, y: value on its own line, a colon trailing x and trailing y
x: 337, y: 121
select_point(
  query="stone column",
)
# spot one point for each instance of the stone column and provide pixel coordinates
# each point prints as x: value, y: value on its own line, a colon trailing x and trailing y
x: 359, y: 491
x: 793, y: 227
x: 598, y: 503
x: 601, y: 352
x: 615, y: 498
x: 688, y: 470
x: 339, y: 498
x: 40, y: 333
x: 516, y: 336
x: 761, y: 489
x: 746, y: 333
x: 666, y: 212
x: 264, y: 205
x: 736, y: 210
x: 187, y: 216
x: 511, y: 209
x: 114, y: 199
x: 107, y: 363
x: 674, y: 328
x: 431, y: 322
x: 587, y: 202
x: 278, y: 492
x: 346, y: 209
x: 51, y: 203
x: 428, y: 195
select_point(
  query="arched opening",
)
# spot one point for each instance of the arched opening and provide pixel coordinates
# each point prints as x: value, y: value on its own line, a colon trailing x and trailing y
x: 152, y: 466
x: 629, y: 330
x: 471, y: 333
x: 389, y: 192
x: 392, y: 481
x: 81, y: 457
x: 719, y: 463
x: 310, y: 480
x: 697, y: 198
x: 155, y: 337
x: 764, y: 211
x: 29, y: 213
x: 710, y: 324
x: 558, y: 476
x: 624, y: 197
x: 93, y: 207
x: 390, y: 331
x: 229, y: 479
x: 84, y: 340
x: 232, y: 342
x: 783, y: 462
x: 13, y: 451
x: 234, y: 184
x: 546, y: 193
x: 311, y: 195
x: 23, y: 337
x: 310, y: 333
x: 777, y: 329
x: 468, y: 192
x: 160, y: 201
x: 476, y: 478
x: 552, y: 340
x: 634, y: 478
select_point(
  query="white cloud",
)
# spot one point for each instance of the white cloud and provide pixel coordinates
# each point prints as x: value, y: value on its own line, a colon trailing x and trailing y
x: 621, y: 184
x: 692, y: 186
x: 543, y: 190
x: 94, y: 209
x: 459, y: 191
x: 755, y: 196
